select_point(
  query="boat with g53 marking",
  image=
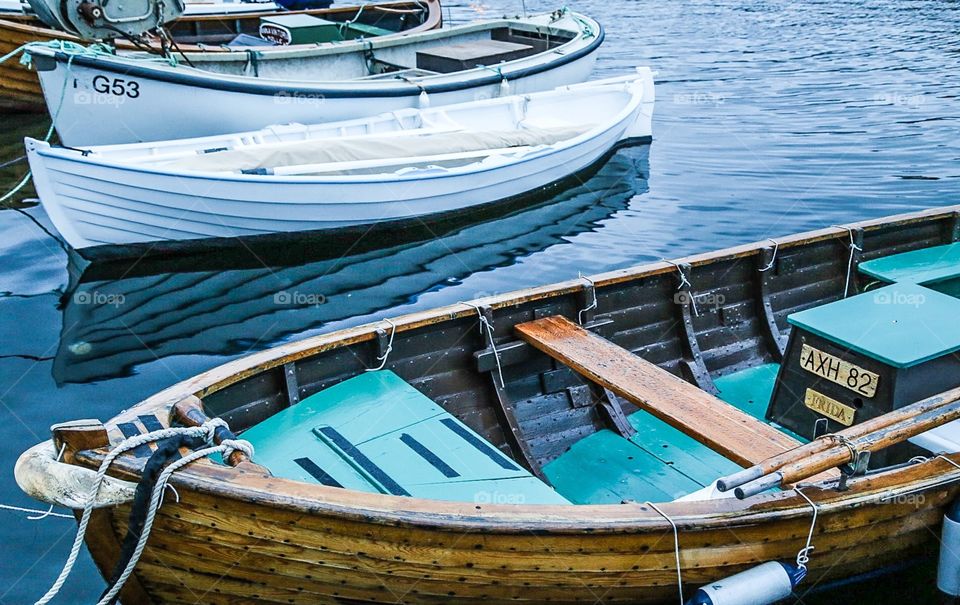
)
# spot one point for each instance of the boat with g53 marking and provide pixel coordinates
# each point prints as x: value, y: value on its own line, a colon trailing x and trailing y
x: 619, y: 435
x: 136, y: 98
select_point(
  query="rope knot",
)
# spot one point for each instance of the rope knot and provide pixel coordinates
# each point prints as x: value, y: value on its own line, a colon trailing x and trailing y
x: 209, y: 428
x: 237, y: 445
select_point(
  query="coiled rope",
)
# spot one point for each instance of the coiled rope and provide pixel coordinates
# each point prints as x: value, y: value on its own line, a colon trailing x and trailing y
x: 205, y: 432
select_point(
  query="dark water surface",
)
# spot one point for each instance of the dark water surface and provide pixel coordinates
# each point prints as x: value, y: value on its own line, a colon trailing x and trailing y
x: 772, y: 118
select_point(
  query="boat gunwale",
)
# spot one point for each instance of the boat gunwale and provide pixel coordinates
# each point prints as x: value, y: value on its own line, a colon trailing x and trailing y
x: 339, y: 89
x: 881, y: 488
x: 233, y: 483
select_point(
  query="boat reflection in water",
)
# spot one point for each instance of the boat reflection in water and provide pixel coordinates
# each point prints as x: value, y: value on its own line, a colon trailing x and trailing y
x: 119, y: 315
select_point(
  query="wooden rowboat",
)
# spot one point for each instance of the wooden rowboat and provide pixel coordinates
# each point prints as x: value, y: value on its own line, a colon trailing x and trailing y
x: 20, y: 89
x: 550, y: 383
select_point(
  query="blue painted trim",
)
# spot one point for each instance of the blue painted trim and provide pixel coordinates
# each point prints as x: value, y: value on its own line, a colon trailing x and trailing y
x: 150, y: 422
x: 129, y: 429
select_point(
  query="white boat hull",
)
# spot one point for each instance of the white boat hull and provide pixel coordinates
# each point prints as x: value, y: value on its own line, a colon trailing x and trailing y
x: 108, y: 100
x: 94, y: 202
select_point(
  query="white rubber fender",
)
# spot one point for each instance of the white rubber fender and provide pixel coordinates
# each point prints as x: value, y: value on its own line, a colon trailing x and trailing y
x: 41, y: 476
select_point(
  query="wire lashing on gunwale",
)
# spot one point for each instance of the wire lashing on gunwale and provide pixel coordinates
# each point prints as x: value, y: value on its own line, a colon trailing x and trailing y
x: 156, y: 474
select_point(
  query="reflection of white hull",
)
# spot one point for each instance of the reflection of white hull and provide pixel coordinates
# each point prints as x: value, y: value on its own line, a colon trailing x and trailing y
x: 10, y: 6
x: 127, y: 99
x: 114, y: 322
x: 130, y: 194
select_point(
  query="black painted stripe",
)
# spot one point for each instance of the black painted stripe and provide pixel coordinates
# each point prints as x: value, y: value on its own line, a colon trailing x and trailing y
x: 199, y: 79
x: 150, y: 422
x: 316, y: 472
x: 365, y: 463
x: 129, y: 429
x: 429, y: 456
x: 484, y: 447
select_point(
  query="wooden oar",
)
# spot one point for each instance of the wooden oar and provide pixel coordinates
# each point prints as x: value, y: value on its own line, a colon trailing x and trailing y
x: 190, y: 412
x: 845, y: 449
x: 817, y: 446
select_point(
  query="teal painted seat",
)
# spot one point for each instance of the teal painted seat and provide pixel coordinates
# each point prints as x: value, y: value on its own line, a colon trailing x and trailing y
x: 376, y: 433
x: 923, y: 266
x: 658, y: 463
x: 750, y: 391
x: 902, y: 325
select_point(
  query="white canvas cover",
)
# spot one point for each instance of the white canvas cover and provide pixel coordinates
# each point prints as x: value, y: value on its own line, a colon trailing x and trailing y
x: 372, y: 147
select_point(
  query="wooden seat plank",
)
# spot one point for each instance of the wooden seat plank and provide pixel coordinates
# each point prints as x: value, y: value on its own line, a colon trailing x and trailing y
x: 711, y: 421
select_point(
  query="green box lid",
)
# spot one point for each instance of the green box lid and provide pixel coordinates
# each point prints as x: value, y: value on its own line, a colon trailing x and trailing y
x: 902, y: 325
x: 918, y: 266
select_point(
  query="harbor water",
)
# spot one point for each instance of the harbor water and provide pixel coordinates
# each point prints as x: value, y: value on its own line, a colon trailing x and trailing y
x: 772, y: 117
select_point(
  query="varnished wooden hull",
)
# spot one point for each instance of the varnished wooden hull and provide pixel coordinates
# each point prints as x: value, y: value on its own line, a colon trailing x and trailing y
x: 216, y: 550
x: 20, y: 88
x: 236, y: 536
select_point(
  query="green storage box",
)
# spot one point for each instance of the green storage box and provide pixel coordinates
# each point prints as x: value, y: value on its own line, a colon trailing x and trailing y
x: 299, y: 29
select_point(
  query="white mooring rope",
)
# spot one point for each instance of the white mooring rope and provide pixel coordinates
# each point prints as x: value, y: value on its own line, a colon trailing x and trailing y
x: 40, y: 514
x: 803, y: 556
x: 676, y: 547
x: 226, y: 447
x: 485, y: 324
x: 386, y: 353
x: 854, y: 248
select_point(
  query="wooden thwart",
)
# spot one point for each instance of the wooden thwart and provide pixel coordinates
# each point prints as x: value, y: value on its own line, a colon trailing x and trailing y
x: 711, y: 421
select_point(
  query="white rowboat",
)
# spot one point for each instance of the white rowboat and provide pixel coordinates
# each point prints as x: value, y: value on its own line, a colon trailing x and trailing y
x: 99, y: 98
x: 390, y: 168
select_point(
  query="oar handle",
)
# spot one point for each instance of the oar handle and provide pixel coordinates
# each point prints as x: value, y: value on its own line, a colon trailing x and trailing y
x: 759, y: 485
x: 845, y: 450
x: 190, y: 412
x: 817, y: 447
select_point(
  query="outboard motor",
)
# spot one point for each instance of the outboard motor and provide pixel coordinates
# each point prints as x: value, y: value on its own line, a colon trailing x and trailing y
x: 105, y: 20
